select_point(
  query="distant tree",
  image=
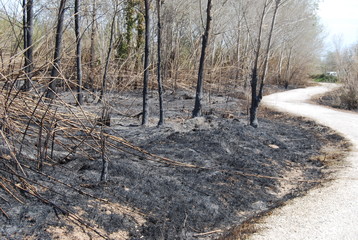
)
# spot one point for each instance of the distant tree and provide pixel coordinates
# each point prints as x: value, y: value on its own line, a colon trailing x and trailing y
x: 232, y: 50
x: 199, y: 86
x: 92, y: 45
x: 145, y: 113
x: 330, y: 63
x: 57, y: 54
x: 109, y: 52
x: 125, y: 40
x: 28, y: 32
x: 78, y: 54
x: 140, y: 25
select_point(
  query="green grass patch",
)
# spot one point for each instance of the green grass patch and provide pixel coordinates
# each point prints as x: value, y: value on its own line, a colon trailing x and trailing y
x: 324, y: 78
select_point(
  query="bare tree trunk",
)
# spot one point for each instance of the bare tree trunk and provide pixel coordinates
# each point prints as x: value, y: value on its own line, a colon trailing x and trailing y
x: 51, y: 90
x: 257, y: 97
x: 28, y: 30
x: 288, y: 76
x: 238, y: 48
x: 268, y: 50
x: 279, y: 68
x: 24, y: 26
x: 199, y: 86
x: 104, y: 172
x: 92, y: 47
x: 159, y: 67
x: 255, y: 100
x: 105, y: 121
x: 104, y: 79
x: 78, y: 54
x: 145, y: 114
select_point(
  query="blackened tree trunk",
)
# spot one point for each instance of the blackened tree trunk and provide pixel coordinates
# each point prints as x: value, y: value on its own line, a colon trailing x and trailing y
x: 256, y: 96
x: 254, y: 74
x: 159, y: 67
x: 57, y: 55
x: 199, y: 86
x: 105, y: 121
x: 78, y: 54
x: 28, y: 31
x: 104, y: 172
x: 145, y: 113
x: 110, y: 47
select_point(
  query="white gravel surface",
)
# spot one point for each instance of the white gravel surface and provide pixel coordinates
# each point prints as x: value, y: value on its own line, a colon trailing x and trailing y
x: 328, y: 212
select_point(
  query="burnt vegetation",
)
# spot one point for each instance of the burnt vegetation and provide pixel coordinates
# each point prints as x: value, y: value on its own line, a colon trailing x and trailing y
x: 92, y: 147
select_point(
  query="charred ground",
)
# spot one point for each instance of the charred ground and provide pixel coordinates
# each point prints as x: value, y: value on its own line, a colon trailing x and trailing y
x: 217, y: 172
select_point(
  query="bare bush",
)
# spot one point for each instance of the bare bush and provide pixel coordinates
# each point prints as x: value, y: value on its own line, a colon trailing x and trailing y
x: 347, y: 62
x: 349, y: 97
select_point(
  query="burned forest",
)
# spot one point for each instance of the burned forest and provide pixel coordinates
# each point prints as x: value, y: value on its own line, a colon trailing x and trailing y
x: 141, y: 119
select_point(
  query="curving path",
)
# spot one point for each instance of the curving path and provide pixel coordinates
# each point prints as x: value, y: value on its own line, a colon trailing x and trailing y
x: 329, y: 212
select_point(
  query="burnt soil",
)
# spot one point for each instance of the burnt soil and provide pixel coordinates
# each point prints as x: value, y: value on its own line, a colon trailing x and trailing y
x: 233, y: 173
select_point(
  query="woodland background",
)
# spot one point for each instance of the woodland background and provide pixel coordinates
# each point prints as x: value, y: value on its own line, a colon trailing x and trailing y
x: 71, y: 74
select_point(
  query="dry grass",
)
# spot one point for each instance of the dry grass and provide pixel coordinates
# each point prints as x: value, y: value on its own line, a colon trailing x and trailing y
x: 36, y: 132
x: 241, y: 232
x: 332, y: 155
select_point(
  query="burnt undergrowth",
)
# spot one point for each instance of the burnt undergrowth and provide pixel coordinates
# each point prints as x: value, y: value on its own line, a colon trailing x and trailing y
x: 191, y: 179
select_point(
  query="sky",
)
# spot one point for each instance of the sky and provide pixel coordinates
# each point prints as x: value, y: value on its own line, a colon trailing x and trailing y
x: 340, y: 20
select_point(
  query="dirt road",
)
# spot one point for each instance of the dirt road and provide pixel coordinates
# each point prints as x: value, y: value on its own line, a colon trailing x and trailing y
x: 329, y: 212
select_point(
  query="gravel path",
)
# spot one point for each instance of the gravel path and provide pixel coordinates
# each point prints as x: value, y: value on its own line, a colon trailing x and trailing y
x: 329, y: 212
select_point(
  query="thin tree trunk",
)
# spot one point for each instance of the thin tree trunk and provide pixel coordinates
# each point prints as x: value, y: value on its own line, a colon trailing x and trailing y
x: 92, y: 47
x: 268, y: 50
x: 104, y: 79
x: 279, y: 70
x: 238, y: 56
x: 199, y: 86
x: 254, y: 75
x: 78, y: 54
x: 257, y: 97
x: 24, y: 25
x: 28, y: 30
x: 288, y: 66
x: 159, y: 67
x: 57, y: 55
x: 145, y: 114
x: 104, y: 172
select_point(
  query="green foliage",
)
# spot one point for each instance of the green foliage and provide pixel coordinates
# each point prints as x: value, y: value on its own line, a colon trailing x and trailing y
x: 122, y: 47
x: 134, y: 24
x: 324, y: 78
x: 140, y: 30
x: 130, y: 20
